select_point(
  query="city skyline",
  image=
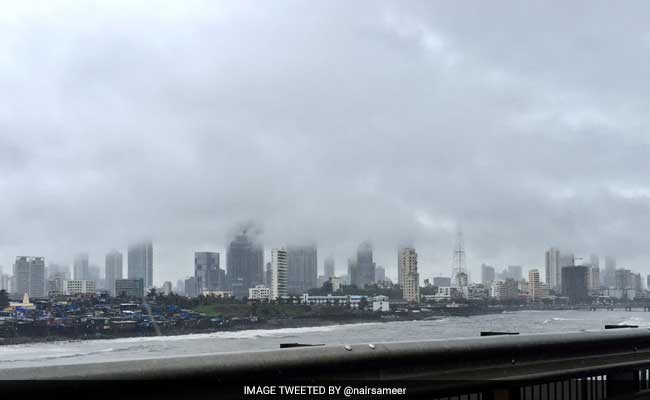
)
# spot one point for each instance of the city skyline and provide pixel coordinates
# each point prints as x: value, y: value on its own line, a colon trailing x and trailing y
x: 476, y: 271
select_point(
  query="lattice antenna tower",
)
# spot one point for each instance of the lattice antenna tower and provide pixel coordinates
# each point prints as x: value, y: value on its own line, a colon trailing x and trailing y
x: 459, y: 265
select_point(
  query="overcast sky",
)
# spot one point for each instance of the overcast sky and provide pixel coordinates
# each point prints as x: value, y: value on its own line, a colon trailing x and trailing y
x: 333, y: 121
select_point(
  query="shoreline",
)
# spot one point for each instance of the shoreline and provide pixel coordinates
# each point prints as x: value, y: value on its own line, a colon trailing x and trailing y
x: 262, y: 325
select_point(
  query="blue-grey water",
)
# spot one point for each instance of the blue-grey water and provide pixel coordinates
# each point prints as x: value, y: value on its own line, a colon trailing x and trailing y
x: 56, y: 353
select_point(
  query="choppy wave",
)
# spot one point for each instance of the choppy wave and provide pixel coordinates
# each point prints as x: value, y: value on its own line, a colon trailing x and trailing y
x: 634, y: 321
x: 54, y: 356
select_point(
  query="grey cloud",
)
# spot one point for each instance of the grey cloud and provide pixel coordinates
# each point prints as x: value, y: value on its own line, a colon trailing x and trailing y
x: 330, y: 121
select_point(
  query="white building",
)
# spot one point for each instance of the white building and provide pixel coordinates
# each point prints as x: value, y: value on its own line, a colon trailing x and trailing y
x: 448, y: 292
x: 380, y: 304
x: 352, y: 300
x: 259, y: 292
x: 279, y: 268
x: 72, y: 287
x: 408, y: 274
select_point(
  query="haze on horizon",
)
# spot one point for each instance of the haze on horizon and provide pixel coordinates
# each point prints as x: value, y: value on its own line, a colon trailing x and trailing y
x: 330, y: 121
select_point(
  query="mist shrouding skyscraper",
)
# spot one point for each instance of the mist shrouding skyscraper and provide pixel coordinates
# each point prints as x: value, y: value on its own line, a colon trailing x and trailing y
x: 80, y: 267
x: 207, y: 271
x: 29, y: 273
x: 245, y: 263
x: 140, y: 262
x: 609, y: 277
x: 515, y: 272
x: 113, y: 270
x: 365, y: 267
x: 329, y: 268
x: 553, y: 273
x: 302, y: 269
x: 380, y: 274
x: 487, y: 274
x: 408, y: 272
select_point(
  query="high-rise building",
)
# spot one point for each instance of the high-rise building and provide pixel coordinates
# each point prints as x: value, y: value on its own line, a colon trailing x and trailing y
x: 245, y: 264
x: 207, y: 271
x: 553, y: 268
x: 191, y: 288
x: 353, y: 273
x: 575, y: 283
x: 408, y: 271
x: 180, y: 287
x: 515, y: 272
x: 80, y: 267
x: 279, y: 265
x: 268, y: 279
x: 29, y: 273
x: 302, y: 273
x: 365, y: 267
x: 594, y: 278
x: 534, y: 285
x: 609, y: 278
x: 167, y: 287
x: 58, y: 271
x: 329, y: 267
x: 113, y: 268
x: 504, y: 290
x: 380, y: 274
x: 94, y: 273
x: 487, y: 274
x: 441, y: 281
x: 140, y: 262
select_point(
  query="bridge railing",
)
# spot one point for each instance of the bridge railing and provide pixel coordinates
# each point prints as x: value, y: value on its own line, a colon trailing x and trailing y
x: 584, y: 365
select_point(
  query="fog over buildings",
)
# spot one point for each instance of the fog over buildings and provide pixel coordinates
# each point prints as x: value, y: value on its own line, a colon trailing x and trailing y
x: 331, y: 122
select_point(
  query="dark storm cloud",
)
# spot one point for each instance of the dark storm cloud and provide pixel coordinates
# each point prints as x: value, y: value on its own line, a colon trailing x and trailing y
x: 332, y: 121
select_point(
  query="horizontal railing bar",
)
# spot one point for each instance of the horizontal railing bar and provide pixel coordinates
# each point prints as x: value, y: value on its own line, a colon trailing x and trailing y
x: 496, y: 357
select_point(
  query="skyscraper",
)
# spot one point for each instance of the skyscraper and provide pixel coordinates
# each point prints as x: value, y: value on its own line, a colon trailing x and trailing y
x: 609, y: 278
x: 207, y: 271
x: 534, y: 285
x: 365, y: 267
x: 515, y: 272
x: 302, y: 273
x: 380, y: 274
x: 80, y: 267
x: 408, y: 272
x: 553, y: 277
x: 575, y: 283
x: 245, y: 264
x: 487, y: 274
x: 279, y: 266
x: 113, y: 268
x: 140, y: 263
x: 329, y: 267
x: 29, y: 273
x: 268, y: 279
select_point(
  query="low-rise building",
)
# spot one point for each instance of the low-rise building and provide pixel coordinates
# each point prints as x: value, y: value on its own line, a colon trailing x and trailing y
x: 73, y: 287
x: 129, y: 287
x: 353, y: 300
x: 380, y: 304
x: 259, y: 292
